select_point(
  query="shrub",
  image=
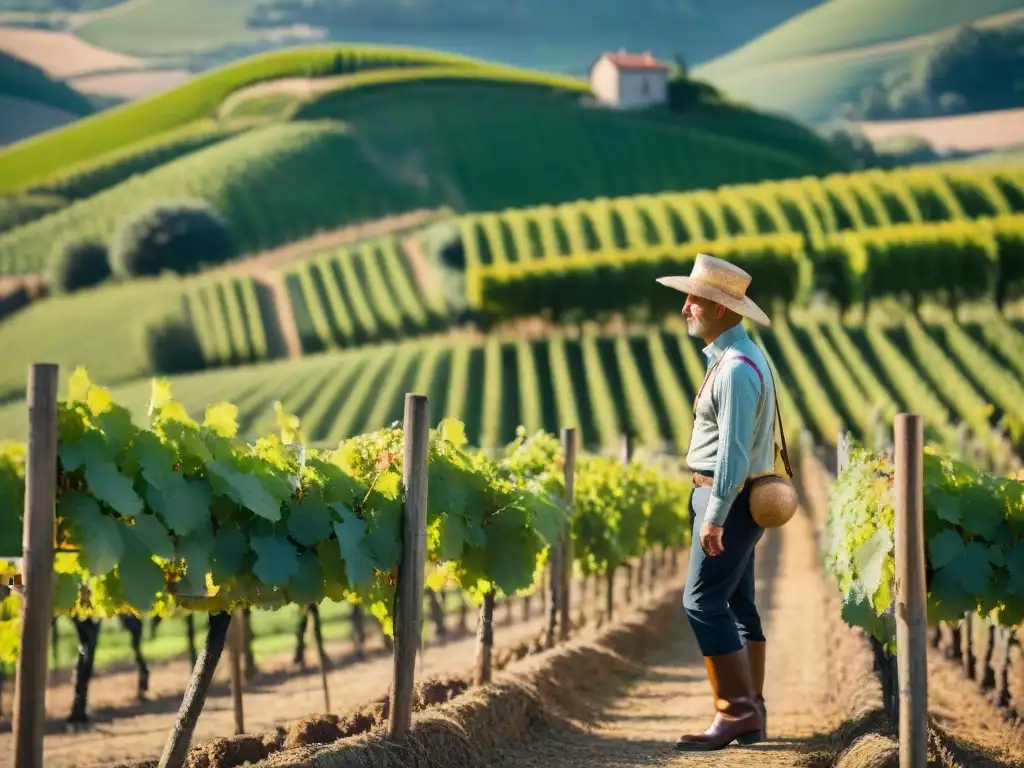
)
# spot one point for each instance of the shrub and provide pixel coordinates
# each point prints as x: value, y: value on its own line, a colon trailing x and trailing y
x: 171, y: 346
x: 79, y: 265
x: 179, y: 236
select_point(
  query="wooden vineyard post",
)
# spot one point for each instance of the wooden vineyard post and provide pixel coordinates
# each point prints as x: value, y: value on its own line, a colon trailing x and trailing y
x: 409, y: 599
x: 37, y: 554
x: 909, y: 593
x: 569, y: 449
x: 236, y: 639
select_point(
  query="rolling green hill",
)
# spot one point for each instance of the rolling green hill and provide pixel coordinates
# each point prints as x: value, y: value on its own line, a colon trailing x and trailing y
x: 392, y: 140
x: 31, y: 162
x: 822, y: 58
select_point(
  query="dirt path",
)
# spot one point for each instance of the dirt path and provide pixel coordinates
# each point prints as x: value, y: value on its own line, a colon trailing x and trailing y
x: 639, y: 726
x: 275, y: 306
x: 125, y: 731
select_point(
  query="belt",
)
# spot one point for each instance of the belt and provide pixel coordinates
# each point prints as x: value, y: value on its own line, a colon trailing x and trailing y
x: 701, y: 480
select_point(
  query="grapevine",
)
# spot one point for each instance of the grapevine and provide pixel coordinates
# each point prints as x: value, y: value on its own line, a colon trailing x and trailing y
x: 974, y: 542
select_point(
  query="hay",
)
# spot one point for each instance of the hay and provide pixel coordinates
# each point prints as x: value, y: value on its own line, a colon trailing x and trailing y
x: 542, y: 690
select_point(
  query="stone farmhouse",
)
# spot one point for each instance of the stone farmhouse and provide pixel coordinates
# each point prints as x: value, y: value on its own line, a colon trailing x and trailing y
x: 629, y: 80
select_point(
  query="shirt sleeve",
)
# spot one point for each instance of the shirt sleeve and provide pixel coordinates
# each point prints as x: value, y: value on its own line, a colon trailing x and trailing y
x: 739, y: 388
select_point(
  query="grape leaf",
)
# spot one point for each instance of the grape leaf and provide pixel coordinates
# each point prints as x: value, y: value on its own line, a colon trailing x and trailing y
x: 512, y: 549
x: 277, y: 560
x: 453, y: 536
x: 246, y: 490
x: 108, y: 485
x: 103, y: 545
x: 986, y: 514
x: 974, y: 568
x: 384, y: 541
x: 1015, y: 566
x: 944, y: 547
x: 152, y: 536
x: 307, y: 585
x: 351, y: 533
x: 946, y: 507
x: 333, y: 569
x: 870, y: 558
x: 857, y: 611
x: 229, y: 551
x: 65, y: 592
x: 141, y: 579
x: 195, y: 550
x: 74, y: 454
x: 222, y: 419
x: 155, y: 459
x: 948, y: 600
x: 309, y: 521
x: 996, y: 556
x: 183, y: 504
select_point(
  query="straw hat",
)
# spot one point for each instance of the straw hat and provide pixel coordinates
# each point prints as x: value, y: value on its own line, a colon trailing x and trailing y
x: 719, y: 281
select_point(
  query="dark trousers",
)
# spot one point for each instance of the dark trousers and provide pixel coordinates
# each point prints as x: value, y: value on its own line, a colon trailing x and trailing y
x: 719, y: 595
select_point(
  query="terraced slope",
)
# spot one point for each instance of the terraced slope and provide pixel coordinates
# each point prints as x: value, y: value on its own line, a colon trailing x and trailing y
x: 406, y: 139
x: 641, y: 380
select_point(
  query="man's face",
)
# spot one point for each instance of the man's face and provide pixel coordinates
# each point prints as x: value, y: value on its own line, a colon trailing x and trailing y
x: 701, y: 316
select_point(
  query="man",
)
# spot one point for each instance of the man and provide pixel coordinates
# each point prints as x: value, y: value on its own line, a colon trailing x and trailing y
x: 732, y: 439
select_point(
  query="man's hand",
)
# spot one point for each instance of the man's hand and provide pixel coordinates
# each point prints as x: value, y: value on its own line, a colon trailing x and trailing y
x: 711, y: 539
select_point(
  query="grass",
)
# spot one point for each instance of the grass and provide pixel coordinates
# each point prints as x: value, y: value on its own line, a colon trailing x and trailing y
x: 810, y: 64
x: 34, y: 160
x: 394, y: 140
x: 99, y: 328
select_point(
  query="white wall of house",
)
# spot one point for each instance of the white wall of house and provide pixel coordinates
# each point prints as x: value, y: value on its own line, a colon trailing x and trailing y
x: 640, y: 87
x: 604, y: 81
x: 629, y: 87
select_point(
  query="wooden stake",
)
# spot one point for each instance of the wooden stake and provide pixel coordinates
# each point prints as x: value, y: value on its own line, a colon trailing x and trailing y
x: 37, y: 554
x: 911, y: 611
x: 409, y: 599
x: 236, y: 639
x: 569, y: 448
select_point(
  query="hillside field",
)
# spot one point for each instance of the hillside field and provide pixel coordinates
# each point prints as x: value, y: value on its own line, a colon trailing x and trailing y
x: 811, y: 64
x: 416, y: 128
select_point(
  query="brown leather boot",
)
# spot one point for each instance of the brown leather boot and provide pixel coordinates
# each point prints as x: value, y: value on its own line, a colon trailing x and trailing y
x: 737, y: 716
x: 755, y: 657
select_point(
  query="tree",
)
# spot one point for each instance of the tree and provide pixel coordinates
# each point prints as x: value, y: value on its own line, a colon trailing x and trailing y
x: 177, y: 236
x: 79, y: 265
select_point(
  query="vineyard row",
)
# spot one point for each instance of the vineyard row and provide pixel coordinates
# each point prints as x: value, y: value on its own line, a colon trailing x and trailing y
x: 831, y: 374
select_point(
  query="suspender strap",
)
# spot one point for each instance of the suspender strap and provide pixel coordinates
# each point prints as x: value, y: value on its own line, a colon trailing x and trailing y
x: 778, y: 413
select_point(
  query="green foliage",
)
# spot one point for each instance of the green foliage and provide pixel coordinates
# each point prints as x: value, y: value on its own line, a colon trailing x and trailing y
x: 80, y: 265
x: 176, y: 236
x: 937, y: 232
x: 184, y: 514
x: 974, y: 542
x: 578, y: 287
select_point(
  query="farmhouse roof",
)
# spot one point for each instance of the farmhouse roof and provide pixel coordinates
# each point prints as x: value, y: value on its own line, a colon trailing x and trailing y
x: 646, y: 60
